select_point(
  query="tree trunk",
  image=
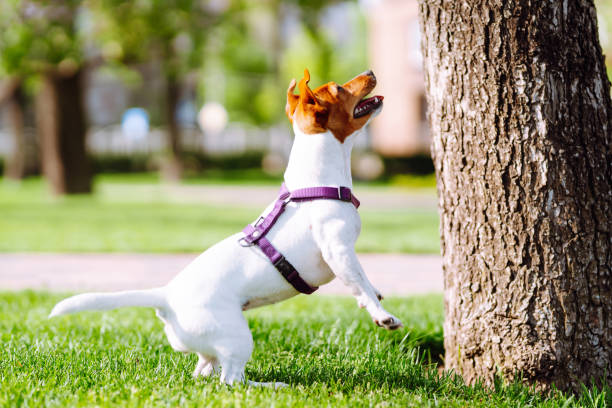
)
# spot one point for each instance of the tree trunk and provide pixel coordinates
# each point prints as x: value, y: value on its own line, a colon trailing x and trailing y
x: 521, y: 118
x: 61, y: 124
x: 172, y: 170
x: 15, y: 109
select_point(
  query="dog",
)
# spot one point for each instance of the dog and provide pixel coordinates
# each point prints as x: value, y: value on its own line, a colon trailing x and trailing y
x: 201, y: 308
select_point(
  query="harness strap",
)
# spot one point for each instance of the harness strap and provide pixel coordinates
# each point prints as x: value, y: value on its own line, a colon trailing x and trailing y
x: 282, y: 265
x: 255, y: 234
x: 263, y: 225
x: 316, y: 193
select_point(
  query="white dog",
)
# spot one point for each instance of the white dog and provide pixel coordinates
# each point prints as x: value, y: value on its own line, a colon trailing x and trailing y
x: 202, y: 306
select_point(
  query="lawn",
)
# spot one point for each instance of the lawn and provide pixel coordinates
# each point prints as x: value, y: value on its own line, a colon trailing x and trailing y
x: 133, y: 214
x: 326, y: 348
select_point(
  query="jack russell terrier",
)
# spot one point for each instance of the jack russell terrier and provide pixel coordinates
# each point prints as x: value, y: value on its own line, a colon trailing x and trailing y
x: 202, y: 306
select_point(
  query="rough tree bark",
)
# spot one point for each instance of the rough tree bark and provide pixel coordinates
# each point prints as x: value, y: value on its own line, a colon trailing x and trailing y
x: 522, y: 119
x: 60, y: 116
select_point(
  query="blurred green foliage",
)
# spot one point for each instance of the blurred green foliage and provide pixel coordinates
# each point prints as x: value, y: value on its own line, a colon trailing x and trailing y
x: 238, y: 49
x: 241, y: 53
x: 251, y: 61
x: 39, y: 36
x: 170, y: 31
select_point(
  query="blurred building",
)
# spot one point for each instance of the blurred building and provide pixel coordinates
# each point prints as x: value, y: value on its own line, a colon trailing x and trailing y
x: 395, y: 52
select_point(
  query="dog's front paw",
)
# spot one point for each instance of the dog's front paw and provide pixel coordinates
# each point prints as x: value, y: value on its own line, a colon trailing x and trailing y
x: 389, y: 322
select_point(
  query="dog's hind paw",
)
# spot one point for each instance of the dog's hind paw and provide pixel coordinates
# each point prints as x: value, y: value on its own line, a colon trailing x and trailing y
x: 206, y: 367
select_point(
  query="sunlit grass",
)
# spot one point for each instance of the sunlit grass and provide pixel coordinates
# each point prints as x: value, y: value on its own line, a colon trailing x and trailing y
x: 136, y: 214
x: 326, y: 348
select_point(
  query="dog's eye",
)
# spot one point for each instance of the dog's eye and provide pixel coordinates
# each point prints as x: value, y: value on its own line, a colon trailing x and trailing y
x: 337, y: 90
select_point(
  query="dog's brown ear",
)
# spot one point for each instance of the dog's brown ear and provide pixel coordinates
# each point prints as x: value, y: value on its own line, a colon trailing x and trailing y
x: 311, y: 115
x: 307, y: 97
x: 292, y: 100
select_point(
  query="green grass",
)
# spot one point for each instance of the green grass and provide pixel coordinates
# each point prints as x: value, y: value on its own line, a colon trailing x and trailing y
x: 326, y: 348
x: 135, y: 214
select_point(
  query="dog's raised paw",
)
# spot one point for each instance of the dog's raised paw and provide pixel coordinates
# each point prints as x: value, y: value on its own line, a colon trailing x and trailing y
x: 389, y: 323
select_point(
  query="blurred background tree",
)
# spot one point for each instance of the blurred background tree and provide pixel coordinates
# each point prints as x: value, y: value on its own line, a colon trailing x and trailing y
x: 88, y: 62
x: 42, y: 39
x: 173, y: 34
x: 13, y: 98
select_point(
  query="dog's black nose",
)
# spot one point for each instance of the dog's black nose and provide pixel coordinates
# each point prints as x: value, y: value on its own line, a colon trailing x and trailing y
x: 369, y: 73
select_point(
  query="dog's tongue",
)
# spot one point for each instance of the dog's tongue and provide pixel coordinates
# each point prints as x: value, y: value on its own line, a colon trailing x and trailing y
x: 367, y: 105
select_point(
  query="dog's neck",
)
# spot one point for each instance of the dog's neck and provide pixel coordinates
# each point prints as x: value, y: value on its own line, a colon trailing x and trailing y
x: 319, y: 160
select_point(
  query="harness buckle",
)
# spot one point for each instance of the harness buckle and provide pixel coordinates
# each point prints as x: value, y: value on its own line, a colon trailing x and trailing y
x: 285, y: 268
x: 279, y: 261
x: 244, y: 243
x: 339, y: 193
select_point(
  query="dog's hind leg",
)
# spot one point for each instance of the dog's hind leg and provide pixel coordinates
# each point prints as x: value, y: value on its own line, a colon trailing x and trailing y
x: 232, y: 370
x: 206, y: 366
x: 233, y: 350
x: 232, y: 344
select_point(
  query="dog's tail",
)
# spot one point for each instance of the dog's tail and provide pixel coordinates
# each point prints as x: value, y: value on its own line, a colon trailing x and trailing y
x: 107, y: 301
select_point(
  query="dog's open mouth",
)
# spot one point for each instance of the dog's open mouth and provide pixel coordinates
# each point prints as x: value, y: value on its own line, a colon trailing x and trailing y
x: 367, y: 105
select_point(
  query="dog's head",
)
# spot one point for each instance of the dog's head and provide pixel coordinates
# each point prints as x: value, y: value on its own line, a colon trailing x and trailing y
x: 341, y: 109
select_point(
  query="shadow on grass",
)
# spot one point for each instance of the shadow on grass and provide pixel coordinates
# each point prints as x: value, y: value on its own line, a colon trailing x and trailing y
x: 347, y: 354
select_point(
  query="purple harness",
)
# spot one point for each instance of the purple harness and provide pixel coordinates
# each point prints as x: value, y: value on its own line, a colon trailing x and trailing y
x: 256, y: 234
